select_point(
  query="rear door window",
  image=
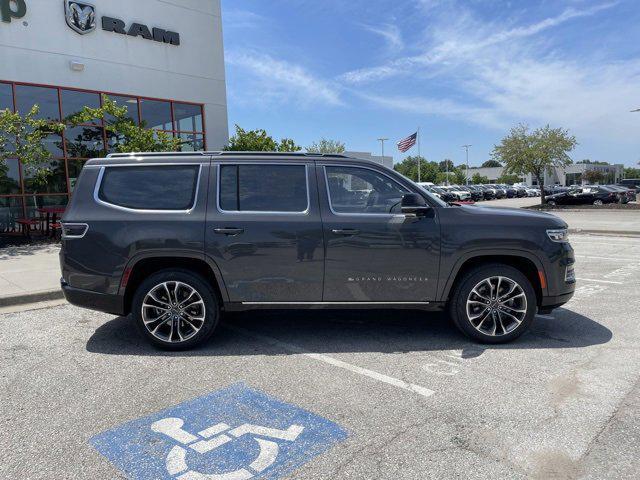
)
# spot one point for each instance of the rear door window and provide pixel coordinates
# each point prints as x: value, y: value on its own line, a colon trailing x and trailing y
x: 171, y: 187
x: 263, y: 188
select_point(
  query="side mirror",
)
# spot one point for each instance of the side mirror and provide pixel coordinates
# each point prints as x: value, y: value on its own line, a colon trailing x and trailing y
x: 414, y: 204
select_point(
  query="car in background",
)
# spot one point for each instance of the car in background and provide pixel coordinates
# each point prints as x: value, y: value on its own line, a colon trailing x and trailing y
x: 487, y: 193
x: 633, y: 183
x: 442, y: 194
x: 626, y: 195
x: 500, y: 192
x: 594, y: 195
x: 532, y: 192
x: 457, y: 192
x: 476, y: 195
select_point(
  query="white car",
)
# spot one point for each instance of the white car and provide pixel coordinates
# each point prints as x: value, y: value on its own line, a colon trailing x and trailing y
x: 533, y: 192
x: 461, y: 195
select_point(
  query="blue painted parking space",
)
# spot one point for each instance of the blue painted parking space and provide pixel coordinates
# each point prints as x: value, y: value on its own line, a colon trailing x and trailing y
x: 232, y: 434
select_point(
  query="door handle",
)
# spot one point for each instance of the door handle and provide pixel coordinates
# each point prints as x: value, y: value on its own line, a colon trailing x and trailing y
x: 229, y: 231
x: 346, y: 231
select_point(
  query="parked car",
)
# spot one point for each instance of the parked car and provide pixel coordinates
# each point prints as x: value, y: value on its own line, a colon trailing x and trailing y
x: 626, y: 194
x: 633, y: 183
x: 489, y: 193
x: 460, y: 194
x: 533, y: 192
x: 176, y: 239
x: 476, y: 195
x: 444, y: 195
x: 583, y: 196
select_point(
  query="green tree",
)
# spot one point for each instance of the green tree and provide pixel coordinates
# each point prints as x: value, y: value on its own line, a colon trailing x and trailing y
x: 259, y: 141
x: 586, y: 161
x: 631, y: 172
x: 478, y: 179
x: 447, y: 165
x: 594, y: 176
x: 128, y: 136
x: 23, y: 137
x: 409, y: 168
x: 455, y: 177
x: 326, y: 146
x: 491, y: 164
x: 509, y: 178
x: 535, y: 152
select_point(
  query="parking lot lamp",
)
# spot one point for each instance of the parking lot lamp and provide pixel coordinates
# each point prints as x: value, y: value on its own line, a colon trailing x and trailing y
x: 382, y: 140
x: 466, y: 147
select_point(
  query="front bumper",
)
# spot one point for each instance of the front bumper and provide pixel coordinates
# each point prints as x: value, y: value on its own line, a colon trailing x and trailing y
x: 112, y: 304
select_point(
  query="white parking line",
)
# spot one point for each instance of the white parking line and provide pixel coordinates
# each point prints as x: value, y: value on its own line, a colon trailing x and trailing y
x: 425, y: 392
x: 599, y: 281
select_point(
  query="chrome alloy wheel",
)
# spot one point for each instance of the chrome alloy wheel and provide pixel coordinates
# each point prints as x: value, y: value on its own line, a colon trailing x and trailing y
x: 173, y: 312
x: 496, y: 306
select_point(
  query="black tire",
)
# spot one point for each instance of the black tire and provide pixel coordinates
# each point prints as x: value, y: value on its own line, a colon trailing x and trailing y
x: 463, y: 290
x: 211, y: 308
x: 552, y: 203
x: 598, y: 203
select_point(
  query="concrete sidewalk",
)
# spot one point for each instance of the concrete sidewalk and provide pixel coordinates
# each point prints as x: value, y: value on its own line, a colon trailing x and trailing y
x: 29, y: 274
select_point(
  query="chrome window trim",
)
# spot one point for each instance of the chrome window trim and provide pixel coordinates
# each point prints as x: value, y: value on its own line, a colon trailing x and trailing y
x: 260, y: 212
x: 340, y: 214
x: 98, y: 200
x: 71, y: 224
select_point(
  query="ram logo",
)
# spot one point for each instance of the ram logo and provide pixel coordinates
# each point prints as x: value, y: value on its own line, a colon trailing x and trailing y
x: 81, y: 17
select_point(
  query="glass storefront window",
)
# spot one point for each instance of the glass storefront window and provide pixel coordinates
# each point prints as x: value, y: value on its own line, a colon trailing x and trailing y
x: 130, y: 102
x: 84, y: 142
x: 10, y: 211
x: 156, y: 114
x: 46, y: 98
x: 9, y: 177
x: 6, y: 96
x: 191, y: 142
x: 73, y: 102
x: 21, y: 195
x: 53, y: 143
x: 56, y: 182
x: 188, y: 117
x: 74, y: 167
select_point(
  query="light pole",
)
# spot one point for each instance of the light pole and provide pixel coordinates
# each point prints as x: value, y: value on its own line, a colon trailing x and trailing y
x: 382, y: 140
x: 467, y: 147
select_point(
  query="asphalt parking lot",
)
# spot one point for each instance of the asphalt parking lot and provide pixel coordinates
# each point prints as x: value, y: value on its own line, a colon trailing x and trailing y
x: 409, y: 396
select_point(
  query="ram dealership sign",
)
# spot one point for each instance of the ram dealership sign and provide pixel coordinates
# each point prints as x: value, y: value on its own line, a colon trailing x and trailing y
x: 81, y: 18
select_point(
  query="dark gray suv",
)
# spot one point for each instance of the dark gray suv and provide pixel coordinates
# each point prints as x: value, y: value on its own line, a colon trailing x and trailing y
x: 176, y: 239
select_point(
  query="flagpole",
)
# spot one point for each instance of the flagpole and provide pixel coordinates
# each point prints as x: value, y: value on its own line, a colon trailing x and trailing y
x: 419, y: 158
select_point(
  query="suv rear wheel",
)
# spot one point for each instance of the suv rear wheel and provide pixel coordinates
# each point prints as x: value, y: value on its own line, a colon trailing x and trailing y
x: 175, y: 309
x: 493, y: 304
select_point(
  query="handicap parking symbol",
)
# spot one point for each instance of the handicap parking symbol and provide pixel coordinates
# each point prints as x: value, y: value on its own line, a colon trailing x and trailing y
x: 232, y: 434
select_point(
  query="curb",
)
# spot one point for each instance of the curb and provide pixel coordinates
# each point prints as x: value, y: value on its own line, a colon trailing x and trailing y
x: 27, y: 298
x: 611, y: 233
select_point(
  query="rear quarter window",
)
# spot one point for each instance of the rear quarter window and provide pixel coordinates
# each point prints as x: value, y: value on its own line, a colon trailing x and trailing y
x: 150, y: 188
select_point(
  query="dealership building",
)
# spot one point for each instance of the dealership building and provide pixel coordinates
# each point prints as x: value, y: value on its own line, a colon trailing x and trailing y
x: 565, y: 176
x: 163, y: 59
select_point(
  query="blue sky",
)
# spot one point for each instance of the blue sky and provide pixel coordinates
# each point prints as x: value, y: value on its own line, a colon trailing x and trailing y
x: 464, y: 71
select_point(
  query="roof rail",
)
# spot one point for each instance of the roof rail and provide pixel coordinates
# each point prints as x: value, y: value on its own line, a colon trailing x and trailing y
x: 225, y: 153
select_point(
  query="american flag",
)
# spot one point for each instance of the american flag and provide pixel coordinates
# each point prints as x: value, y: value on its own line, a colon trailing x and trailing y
x: 408, y: 143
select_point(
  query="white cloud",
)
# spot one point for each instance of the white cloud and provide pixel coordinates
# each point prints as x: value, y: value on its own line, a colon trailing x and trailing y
x: 496, y: 77
x: 460, y: 36
x: 390, y: 33
x: 243, y: 19
x: 280, y: 80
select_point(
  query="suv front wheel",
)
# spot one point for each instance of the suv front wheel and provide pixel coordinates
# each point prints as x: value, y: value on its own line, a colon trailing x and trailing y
x: 175, y: 309
x: 493, y: 304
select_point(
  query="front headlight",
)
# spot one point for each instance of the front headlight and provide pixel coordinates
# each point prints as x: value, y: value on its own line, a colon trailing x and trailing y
x: 559, y: 235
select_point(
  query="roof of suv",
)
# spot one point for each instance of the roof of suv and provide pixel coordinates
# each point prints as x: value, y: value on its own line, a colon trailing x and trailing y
x: 172, y: 157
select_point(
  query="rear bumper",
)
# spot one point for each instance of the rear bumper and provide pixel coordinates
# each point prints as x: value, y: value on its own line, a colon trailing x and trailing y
x: 112, y: 304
